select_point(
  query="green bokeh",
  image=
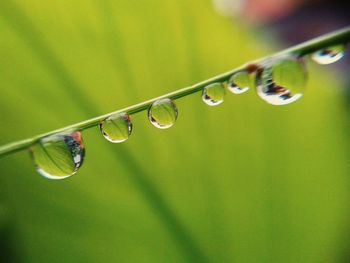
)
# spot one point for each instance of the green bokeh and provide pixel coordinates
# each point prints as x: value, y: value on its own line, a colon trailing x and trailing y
x: 242, y: 182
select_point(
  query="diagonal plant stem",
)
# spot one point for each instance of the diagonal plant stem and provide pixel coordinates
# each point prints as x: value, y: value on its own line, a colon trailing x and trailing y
x: 140, y: 177
x: 341, y: 36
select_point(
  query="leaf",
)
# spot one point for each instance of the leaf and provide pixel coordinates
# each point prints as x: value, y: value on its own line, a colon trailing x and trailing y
x: 244, y: 182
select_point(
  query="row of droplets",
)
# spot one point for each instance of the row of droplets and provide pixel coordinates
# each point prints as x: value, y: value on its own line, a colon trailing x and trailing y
x: 279, y: 81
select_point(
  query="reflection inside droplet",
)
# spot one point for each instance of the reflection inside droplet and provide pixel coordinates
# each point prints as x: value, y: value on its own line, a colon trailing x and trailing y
x: 239, y: 82
x: 58, y: 156
x: 282, y: 81
x: 213, y: 94
x: 116, y: 128
x: 328, y: 55
x: 163, y: 113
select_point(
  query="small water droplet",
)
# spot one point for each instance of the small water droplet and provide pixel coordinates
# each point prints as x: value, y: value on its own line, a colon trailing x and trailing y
x: 163, y: 113
x: 282, y: 81
x: 328, y: 55
x: 116, y: 128
x: 213, y: 94
x: 58, y: 156
x: 239, y: 82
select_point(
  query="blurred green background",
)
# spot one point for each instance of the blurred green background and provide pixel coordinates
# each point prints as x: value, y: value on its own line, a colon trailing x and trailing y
x: 241, y: 182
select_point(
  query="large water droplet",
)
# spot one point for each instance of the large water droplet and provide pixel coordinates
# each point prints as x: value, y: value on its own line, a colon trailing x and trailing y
x: 239, y: 82
x: 213, y: 94
x: 163, y: 113
x: 116, y: 128
x: 328, y: 55
x: 282, y: 81
x: 58, y: 156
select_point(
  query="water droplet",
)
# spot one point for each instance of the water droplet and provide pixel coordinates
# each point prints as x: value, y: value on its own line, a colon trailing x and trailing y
x: 328, y: 55
x: 213, y: 94
x: 163, y: 113
x: 58, y: 156
x: 239, y: 82
x: 282, y: 81
x: 116, y: 128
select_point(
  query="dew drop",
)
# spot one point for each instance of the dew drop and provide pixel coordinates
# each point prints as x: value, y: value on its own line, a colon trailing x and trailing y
x: 213, y: 94
x: 163, y: 113
x: 58, y: 156
x: 328, y: 55
x: 116, y: 128
x: 239, y: 82
x: 282, y: 81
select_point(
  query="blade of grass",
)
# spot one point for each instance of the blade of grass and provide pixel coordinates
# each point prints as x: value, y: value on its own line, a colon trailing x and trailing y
x: 341, y: 36
x: 146, y: 187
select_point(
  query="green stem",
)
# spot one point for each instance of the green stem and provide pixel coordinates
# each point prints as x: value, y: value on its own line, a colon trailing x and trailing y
x: 341, y: 36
